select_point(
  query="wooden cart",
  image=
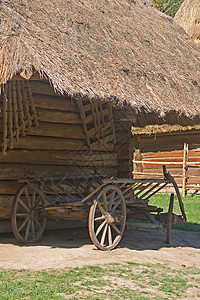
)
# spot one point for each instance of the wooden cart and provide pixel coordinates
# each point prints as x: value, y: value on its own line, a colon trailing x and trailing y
x: 107, y: 204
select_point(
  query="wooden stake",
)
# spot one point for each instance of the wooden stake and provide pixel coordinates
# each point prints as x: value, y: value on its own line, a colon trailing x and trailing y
x: 185, y: 159
x: 10, y: 116
x: 169, y: 221
x: 20, y: 105
x: 5, y: 119
x: 15, y: 110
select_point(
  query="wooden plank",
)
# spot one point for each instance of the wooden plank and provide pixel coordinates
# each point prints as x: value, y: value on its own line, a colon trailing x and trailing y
x: 19, y: 171
x: 8, y: 187
x: 55, y: 103
x: 5, y: 206
x: 73, y: 131
x: 58, y: 116
x: 67, y: 158
x: 42, y: 88
x: 46, y: 143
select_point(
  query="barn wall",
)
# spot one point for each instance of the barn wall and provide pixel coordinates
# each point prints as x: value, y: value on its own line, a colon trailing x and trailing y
x: 57, y: 146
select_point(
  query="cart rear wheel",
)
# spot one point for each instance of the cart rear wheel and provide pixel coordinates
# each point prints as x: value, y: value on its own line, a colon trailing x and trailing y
x: 107, y: 218
x: 28, y: 217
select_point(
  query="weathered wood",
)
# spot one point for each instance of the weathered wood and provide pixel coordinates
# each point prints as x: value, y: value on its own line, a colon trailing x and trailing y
x: 55, y: 103
x: 169, y: 221
x: 58, y: 116
x: 8, y: 187
x: 42, y: 88
x: 5, y: 206
x: 5, y: 120
x: 71, y: 131
x: 185, y: 158
x: 18, y: 171
x: 51, y: 157
x: 46, y: 143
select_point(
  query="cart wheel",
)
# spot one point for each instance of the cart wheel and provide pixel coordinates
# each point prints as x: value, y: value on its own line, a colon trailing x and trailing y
x: 28, y: 217
x: 107, y: 218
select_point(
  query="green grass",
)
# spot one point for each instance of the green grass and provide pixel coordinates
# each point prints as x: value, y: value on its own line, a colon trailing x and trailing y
x: 112, y: 281
x: 191, y: 205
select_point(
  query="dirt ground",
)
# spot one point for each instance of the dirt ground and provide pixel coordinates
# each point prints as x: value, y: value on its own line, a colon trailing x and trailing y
x: 72, y: 247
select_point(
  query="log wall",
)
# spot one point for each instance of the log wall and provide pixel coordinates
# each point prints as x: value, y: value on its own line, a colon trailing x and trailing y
x: 57, y: 146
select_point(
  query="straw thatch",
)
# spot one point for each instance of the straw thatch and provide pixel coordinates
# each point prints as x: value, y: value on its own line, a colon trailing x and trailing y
x: 188, y: 16
x: 122, y: 51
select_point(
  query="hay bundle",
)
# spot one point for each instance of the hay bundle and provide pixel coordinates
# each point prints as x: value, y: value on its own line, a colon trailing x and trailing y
x: 188, y: 16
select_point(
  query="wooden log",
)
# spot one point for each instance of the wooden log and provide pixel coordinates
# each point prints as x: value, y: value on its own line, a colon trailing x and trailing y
x: 46, y: 143
x: 19, y: 171
x: 43, y: 88
x: 55, y: 103
x: 58, y: 116
x: 70, y: 158
x: 5, y: 206
x: 8, y: 187
x: 149, y: 144
x: 73, y: 131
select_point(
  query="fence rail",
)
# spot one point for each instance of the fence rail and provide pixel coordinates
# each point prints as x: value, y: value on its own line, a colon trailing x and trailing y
x: 184, y: 165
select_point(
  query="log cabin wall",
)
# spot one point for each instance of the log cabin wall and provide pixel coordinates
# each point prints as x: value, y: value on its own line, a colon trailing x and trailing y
x: 54, y: 143
x: 124, y: 142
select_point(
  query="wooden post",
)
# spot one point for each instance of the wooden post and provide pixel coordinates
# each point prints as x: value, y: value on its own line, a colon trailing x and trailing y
x: 185, y: 167
x: 137, y: 156
x: 169, y: 218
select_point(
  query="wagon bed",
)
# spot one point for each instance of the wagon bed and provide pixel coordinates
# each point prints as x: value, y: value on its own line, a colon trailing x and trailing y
x: 107, y: 204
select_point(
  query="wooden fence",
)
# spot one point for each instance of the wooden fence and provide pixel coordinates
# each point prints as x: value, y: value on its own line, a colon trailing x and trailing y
x: 184, y: 166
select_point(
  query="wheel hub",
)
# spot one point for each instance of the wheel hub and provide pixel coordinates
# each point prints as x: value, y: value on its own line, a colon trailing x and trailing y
x: 109, y: 218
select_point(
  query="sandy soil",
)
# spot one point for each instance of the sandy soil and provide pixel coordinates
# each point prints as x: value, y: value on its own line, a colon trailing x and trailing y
x: 72, y: 248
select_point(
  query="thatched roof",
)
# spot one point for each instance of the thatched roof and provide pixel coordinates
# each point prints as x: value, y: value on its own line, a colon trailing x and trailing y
x: 122, y: 51
x: 188, y: 17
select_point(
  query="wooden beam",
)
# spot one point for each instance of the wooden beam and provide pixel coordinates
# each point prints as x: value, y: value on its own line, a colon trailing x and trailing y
x: 67, y: 158
x: 55, y: 103
x: 71, y: 131
x: 58, y: 116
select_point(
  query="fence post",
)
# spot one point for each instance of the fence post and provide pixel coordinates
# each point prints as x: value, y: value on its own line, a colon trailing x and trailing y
x: 137, y: 155
x: 185, y: 167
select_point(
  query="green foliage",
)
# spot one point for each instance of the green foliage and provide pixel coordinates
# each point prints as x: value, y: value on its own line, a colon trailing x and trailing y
x: 169, y: 7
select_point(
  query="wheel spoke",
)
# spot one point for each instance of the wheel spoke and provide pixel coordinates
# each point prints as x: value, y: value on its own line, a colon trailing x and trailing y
x: 115, y: 228
x: 99, y: 218
x: 21, y: 215
x: 27, y: 230
x: 33, y: 229
x: 23, y: 224
x: 36, y: 221
x: 112, y: 197
x: 27, y: 198
x: 24, y: 205
x: 105, y: 202
x: 100, y: 227
x: 101, y: 208
x: 33, y: 198
x: 104, y: 235
x: 115, y: 206
x: 37, y: 200
x: 109, y: 235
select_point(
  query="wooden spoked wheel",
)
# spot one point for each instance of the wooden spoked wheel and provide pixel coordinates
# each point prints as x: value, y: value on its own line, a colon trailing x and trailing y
x: 28, y: 216
x: 107, y: 218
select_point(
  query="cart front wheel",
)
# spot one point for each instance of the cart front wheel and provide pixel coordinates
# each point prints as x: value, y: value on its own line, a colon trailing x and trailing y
x: 107, y: 218
x: 28, y: 216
